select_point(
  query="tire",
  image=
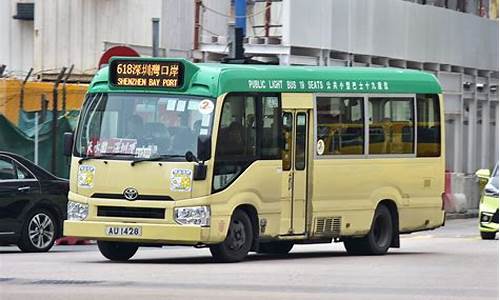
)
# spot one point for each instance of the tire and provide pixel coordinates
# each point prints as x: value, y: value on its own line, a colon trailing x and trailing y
x: 488, y: 235
x: 378, y: 240
x: 275, y: 248
x: 117, y: 251
x: 39, y: 231
x: 238, y: 241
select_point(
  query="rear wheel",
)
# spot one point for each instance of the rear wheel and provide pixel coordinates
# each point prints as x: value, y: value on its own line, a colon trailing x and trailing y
x: 38, y: 232
x: 378, y: 239
x: 117, y: 251
x: 488, y: 235
x: 275, y: 247
x: 238, y: 241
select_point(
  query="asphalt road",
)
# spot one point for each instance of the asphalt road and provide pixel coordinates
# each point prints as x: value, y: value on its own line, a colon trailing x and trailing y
x: 448, y: 263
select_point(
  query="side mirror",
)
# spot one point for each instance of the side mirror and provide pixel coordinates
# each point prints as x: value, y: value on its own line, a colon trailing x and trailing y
x: 204, y: 147
x: 68, y: 143
x: 483, y: 174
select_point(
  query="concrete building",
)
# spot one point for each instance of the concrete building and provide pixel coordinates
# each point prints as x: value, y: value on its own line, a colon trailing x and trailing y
x: 61, y: 33
x: 455, y: 39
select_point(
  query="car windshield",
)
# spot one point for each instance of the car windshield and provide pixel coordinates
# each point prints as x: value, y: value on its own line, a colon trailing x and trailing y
x: 494, y: 177
x: 142, y: 126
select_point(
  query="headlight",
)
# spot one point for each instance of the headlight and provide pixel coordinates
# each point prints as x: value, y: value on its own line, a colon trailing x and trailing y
x: 485, y: 217
x: 490, y: 190
x: 77, y: 211
x: 194, y: 215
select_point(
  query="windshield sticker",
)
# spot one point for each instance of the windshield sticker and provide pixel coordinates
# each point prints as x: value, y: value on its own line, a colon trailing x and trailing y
x: 206, y: 107
x: 145, y: 152
x: 111, y: 146
x: 320, y: 147
x: 180, y: 180
x: 86, y: 176
x: 171, y: 104
x: 205, y: 121
x: 181, y: 105
x: 193, y: 105
x: 203, y: 131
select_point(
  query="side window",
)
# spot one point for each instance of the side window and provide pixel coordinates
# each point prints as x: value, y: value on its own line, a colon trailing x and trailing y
x: 270, y: 111
x: 287, y: 135
x: 428, y: 126
x: 237, y: 139
x: 7, y: 169
x: 391, y: 125
x: 340, y: 125
x: 22, y: 173
x: 301, y: 141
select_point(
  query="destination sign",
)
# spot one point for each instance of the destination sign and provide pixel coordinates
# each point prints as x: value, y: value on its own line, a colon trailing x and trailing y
x: 146, y: 74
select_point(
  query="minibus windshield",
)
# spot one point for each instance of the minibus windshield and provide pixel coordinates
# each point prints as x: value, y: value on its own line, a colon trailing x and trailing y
x: 128, y: 126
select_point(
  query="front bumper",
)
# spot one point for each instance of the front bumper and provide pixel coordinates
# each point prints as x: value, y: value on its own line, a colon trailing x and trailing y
x: 488, y: 214
x: 151, y: 233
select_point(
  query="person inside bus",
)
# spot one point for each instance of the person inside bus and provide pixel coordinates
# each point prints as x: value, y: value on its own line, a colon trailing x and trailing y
x: 134, y: 128
x: 183, y: 138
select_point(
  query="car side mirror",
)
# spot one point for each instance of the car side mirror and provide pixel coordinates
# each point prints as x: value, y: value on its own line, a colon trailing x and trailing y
x: 204, y: 147
x: 68, y: 143
x: 483, y: 174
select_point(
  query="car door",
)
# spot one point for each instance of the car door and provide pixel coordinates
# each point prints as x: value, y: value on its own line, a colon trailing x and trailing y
x: 18, y: 188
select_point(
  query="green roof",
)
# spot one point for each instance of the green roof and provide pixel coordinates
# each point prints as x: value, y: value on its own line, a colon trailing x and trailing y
x: 212, y: 80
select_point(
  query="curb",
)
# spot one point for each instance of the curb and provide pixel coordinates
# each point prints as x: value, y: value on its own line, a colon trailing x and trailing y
x: 465, y: 215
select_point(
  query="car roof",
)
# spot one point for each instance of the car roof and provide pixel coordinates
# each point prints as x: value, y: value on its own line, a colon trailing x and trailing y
x: 38, y: 171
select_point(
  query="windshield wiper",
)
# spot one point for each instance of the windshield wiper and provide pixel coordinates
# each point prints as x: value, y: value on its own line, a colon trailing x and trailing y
x: 103, y: 156
x: 154, y: 158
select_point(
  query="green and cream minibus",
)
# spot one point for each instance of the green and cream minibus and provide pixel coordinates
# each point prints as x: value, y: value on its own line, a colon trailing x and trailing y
x: 242, y: 158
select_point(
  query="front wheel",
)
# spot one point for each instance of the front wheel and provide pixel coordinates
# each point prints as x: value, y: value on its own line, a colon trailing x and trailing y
x: 39, y: 231
x: 238, y: 241
x: 379, y: 238
x: 117, y: 251
x: 488, y: 235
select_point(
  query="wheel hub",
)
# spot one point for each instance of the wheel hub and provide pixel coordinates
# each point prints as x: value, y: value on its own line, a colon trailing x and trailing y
x: 41, y: 230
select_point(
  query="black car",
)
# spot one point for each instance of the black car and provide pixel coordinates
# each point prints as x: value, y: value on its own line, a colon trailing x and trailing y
x: 32, y: 204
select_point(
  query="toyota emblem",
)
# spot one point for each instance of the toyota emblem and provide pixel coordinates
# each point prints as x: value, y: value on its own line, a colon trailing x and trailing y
x: 130, y: 194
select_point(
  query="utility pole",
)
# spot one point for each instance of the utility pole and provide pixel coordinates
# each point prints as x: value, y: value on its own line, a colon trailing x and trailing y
x: 54, y: 119
x: 156, y: 37
x: 21, y: 97
x: 197, y: 24
x: 64, y: 88
x: 238, y: 33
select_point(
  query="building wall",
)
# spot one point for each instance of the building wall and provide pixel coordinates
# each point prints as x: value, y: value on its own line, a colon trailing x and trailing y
x: 423, y: 33
x: 76, y: 31
x: 17, y: 40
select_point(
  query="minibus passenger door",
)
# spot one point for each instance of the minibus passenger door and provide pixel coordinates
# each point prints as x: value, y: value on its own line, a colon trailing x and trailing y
x: 294, y: 167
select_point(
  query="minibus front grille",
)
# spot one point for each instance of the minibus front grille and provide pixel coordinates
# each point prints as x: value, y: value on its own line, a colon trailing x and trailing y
x: 140, y: 197
x: 131, y: 212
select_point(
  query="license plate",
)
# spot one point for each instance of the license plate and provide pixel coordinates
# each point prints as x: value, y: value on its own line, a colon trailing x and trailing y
x: 123, y: 231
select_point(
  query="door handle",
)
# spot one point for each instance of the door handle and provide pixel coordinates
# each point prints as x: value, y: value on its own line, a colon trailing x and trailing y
x: 24, y: 188
x: 290, y: 179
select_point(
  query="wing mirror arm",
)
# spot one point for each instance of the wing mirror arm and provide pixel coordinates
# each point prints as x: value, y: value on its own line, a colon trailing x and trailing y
x: 204, y: 148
